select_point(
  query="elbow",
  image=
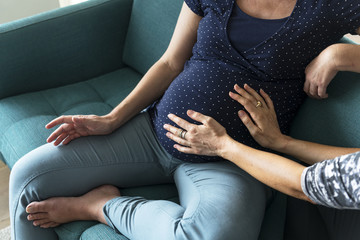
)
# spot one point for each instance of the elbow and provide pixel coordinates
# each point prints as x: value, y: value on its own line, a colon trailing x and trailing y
x: 299, y: 194
x: 175, y: 67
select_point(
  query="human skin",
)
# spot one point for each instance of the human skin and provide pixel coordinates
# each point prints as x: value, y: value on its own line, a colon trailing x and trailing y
x: 156, y: 80
x: 280, y: 173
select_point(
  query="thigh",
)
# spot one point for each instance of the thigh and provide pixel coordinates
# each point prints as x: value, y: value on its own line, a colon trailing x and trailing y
x: 128, y: 157
x: 221, y: 201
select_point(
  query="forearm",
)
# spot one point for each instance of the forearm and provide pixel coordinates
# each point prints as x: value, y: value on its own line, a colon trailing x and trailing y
x: 151, y: 87
x: 273, y: 170
x: 347, y: 57
x: 162, y: 73
x: 310, y: 152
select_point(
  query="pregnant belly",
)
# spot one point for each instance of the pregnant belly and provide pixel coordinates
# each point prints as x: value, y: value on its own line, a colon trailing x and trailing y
x: 207, y: 92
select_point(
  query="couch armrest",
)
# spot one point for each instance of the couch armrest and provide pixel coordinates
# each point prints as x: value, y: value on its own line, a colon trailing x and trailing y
x: 62, y: 46
x: 347, y: 40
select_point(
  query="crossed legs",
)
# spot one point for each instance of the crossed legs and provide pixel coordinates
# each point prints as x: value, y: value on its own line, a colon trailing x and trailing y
x: 217, y: 200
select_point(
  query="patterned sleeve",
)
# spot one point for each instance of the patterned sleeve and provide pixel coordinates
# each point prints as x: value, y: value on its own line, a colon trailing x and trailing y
x: 195, y: 6
x: 334, y: 183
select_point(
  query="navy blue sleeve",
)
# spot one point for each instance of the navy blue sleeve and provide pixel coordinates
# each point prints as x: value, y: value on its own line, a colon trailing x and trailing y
x: 195, y: 6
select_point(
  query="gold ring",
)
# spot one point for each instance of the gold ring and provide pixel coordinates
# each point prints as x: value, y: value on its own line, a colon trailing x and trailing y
x: 258, y: 104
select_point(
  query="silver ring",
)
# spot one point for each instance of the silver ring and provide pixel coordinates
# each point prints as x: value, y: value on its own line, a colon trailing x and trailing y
x: 183, y: 134
x: 180, y: 133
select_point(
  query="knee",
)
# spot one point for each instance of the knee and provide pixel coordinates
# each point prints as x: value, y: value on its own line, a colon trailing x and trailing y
x: 28, y: 168
x: 25, y: 168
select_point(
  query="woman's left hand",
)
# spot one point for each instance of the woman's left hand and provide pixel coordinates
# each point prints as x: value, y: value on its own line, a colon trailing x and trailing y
x: 208, y: 138
x: 320, y: 72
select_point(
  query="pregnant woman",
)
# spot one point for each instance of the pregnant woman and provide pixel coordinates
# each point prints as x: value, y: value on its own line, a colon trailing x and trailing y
x: 216, y: 44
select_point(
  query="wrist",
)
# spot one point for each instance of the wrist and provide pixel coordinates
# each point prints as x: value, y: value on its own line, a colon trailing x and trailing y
x: 343, y: 56
x: 332, y: 56
x: 281, y: 143
x: 111, y: 121
x: 225, y: 146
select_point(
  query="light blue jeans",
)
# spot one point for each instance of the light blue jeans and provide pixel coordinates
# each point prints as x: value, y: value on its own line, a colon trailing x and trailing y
x: 217, y: 200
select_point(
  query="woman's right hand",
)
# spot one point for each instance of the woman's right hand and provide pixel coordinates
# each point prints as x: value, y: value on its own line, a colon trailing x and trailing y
x: 76, y: 126
x: 262, y: 125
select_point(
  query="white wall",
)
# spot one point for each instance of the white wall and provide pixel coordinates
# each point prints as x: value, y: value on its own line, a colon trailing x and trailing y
x: 15, y: 9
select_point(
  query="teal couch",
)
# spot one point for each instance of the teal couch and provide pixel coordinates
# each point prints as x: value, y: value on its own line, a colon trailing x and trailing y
x: 84, y: 59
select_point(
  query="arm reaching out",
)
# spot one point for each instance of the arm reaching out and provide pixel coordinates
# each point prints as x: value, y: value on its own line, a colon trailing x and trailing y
x: 264, y: 128
x: 210, y: 138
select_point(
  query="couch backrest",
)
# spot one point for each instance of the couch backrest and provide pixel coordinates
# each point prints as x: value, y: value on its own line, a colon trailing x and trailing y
x: 335, y: 120
x: 62, y: 46
x: 151, y: 26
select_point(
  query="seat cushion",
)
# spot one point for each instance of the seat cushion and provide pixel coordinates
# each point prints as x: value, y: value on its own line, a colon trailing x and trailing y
x: 101, y: 231
x: 23, y: 117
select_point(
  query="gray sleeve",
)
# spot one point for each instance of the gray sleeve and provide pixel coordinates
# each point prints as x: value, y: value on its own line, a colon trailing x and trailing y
x: 334, y: 183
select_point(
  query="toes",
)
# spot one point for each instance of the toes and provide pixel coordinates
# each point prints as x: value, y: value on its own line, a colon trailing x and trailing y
x: 33, y: 207
x: 41, y: 222
x: 37, y: 216
x: 38, y: 207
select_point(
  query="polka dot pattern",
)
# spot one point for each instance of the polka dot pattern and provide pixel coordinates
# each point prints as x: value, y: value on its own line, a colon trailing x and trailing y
x: 276, y: 65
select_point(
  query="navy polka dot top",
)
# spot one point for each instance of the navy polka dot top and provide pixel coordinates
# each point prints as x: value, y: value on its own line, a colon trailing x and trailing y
x: 276, y: 65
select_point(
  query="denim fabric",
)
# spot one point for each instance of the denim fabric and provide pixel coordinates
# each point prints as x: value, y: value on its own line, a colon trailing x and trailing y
x: 23, y: 117
x: 217, y: 201
x: 214, y: 198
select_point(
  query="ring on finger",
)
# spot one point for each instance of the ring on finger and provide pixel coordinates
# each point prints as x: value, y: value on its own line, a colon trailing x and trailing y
x: 180, y: 132
x: 183, y: 134
x: 258, y: 104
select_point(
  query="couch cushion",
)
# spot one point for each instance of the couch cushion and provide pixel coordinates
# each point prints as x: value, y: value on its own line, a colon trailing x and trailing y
x: 63, y: 46
x: 150, y: 31
x: 101, y: 231
x: 332, y: 121
x: 23, y: 117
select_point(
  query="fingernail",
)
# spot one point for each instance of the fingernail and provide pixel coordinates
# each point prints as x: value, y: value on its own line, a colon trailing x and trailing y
x: 28, y: 209
x: 241, y: 114
x: 190, y: 112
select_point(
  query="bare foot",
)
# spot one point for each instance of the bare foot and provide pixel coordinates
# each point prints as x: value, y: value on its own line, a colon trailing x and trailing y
x: 55, y: 211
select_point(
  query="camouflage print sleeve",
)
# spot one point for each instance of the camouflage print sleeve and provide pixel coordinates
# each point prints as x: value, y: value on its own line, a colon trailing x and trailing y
x: 334, y: 183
